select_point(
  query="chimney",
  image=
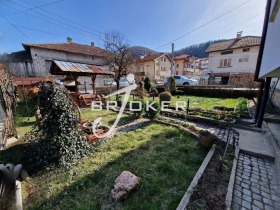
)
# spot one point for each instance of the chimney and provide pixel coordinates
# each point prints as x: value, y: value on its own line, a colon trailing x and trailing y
x: 239, y: 34
x: 92, y: 44
x: 69, y: 40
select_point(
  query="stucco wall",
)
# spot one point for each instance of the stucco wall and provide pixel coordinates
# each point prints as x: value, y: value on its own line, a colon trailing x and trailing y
x: 180, y: 68
x: 163, y: 65
x: 270, y: 59
x: 236, y: 66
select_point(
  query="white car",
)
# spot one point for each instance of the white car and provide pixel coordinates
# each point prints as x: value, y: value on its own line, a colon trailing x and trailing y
x: 182, y: 80
x: 124, y: 82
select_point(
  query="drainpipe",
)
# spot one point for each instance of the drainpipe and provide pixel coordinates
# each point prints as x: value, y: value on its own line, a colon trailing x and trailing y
x: 264, y: 102
x: 259, y: 101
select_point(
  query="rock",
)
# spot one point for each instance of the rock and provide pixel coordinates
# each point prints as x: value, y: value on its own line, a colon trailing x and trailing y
x: 124, y: 184
x: 17, y: 171
x: 24, y: 175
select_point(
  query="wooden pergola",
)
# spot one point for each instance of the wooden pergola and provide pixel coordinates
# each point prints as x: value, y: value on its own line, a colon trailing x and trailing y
x: 78, y: 69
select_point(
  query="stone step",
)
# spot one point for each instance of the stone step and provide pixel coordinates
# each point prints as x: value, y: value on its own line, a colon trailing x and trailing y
x: 249, y: 127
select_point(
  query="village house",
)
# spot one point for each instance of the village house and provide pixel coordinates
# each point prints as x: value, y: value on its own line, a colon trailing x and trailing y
x: 156, y: 67
x: 186, y: 65
x: 233, y: 56
x: 36, y: 59
x: 202, y: 64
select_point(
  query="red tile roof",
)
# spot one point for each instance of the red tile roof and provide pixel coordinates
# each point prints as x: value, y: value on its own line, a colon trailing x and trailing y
x: 246, y: 41
x: 180, y: 57
x: 70, y: 47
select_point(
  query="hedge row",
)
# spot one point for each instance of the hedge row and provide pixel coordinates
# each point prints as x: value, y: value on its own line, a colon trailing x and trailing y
x: 214, y: 92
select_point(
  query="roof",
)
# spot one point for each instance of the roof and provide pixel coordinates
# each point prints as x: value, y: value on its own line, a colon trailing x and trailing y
x: 152, y: 57
x: 70, y: 47
x: 180, y: 57
x: 79, y: 69
x: 246, y: 41
x: 30, y: 80
x: 20, y: 56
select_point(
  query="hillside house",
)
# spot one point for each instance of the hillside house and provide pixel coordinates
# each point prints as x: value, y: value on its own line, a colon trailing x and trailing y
x: 156, y: 67
x: 233, y: 56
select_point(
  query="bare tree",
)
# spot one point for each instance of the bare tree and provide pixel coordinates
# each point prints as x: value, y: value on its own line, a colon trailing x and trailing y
x: 119, y: 56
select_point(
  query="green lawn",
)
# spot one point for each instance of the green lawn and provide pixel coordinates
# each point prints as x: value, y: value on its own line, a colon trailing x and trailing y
x: 164, y: 157
x: 200, y: 102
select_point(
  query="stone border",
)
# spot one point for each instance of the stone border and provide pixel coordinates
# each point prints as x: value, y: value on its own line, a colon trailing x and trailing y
x: 18, y: 195
x: 186, y: 198
x: 229, y: 195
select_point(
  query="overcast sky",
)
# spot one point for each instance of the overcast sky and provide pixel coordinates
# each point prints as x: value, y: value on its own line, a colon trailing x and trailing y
x: 149, y: 23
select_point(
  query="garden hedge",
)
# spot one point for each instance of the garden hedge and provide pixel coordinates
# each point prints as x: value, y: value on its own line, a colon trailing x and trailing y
x: 214, y: 92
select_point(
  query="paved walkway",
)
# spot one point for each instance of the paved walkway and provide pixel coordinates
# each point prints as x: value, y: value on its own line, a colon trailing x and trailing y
x: 255, y: 186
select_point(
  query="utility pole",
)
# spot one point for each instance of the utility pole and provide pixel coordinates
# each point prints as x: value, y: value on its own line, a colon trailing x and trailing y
x: 172, y: 62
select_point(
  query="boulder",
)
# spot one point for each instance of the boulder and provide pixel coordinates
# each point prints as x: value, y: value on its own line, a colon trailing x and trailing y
x: 124, y: 184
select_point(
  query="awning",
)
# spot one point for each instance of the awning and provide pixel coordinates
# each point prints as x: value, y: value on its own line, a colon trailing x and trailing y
x: 78, y: 69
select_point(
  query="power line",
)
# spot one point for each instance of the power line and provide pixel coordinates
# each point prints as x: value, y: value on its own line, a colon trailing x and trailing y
x: 71, y: 26
x: 204, y: 24
x: 18, y: 29
x: 36, y: 7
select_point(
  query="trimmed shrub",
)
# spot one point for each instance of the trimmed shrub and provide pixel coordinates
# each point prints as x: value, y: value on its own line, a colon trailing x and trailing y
x: 147, y: 84
x: 154, y: 90
x: 136, y: 106
x: 151, y: 113
x: 165, y: 96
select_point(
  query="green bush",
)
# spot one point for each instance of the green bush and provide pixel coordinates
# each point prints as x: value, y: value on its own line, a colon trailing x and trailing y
x: 154, y: 90
x: 147, y: 84
x: 58, y: 141
x: 241, y: 106
x: 153, y: 113
x: 136, y: 106
x: 170, y: 85
x: 165, y: 96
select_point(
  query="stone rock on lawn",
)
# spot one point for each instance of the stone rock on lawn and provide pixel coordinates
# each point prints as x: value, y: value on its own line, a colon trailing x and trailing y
x: 123, y: 185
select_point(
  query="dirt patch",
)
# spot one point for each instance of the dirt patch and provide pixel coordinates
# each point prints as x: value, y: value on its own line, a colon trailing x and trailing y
x: 211, y: 190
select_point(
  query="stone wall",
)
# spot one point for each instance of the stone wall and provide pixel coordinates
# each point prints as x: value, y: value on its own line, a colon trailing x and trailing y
x: 243, y: 81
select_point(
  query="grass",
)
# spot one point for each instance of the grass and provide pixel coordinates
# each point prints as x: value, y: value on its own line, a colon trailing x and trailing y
x: 200, y: 102
x: 25, y: 118
x: 164, y: 157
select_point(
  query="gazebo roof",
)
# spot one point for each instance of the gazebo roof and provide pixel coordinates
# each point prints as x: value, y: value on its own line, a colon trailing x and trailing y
x: 78, y: 69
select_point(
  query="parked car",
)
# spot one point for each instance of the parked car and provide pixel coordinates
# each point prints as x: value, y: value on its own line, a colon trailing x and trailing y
x: 182, y: 80
x: 124, y: 82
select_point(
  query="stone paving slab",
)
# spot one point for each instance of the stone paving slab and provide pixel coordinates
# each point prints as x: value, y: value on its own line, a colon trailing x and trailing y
x: 255, y: 186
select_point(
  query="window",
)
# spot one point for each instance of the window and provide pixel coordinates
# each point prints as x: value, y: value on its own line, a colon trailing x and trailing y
x: 162, y: 68
x: 246, y: 49
x: 177, y: 77
x: 177, y: 65
x: 163, y: 59
x: 157, y: 72
x: 241, y: 60
x: 177, y: 72
x: 226, y: 52
x: 225, y: 62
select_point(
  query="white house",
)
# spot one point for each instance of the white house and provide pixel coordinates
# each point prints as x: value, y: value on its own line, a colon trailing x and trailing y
x: 233, y: 56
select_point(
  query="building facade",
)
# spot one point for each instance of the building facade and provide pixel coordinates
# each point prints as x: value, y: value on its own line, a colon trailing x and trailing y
x: 234, y: 56
x: 156, y: 67
x: 185, y: 65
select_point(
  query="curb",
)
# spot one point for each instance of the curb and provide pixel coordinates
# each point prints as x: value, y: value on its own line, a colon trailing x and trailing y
x: 229, y: 195
x: 18, y: 203
x: 186, y: 198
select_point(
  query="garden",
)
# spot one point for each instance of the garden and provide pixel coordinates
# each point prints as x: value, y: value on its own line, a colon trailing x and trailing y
x: 66, y: 172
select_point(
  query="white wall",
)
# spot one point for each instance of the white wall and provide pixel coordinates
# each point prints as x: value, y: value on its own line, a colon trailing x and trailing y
x: 236, y: 66
x: 271, y: 53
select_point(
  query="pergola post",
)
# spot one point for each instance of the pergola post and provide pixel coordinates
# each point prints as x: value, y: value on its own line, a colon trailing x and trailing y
x: 93, y: 77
